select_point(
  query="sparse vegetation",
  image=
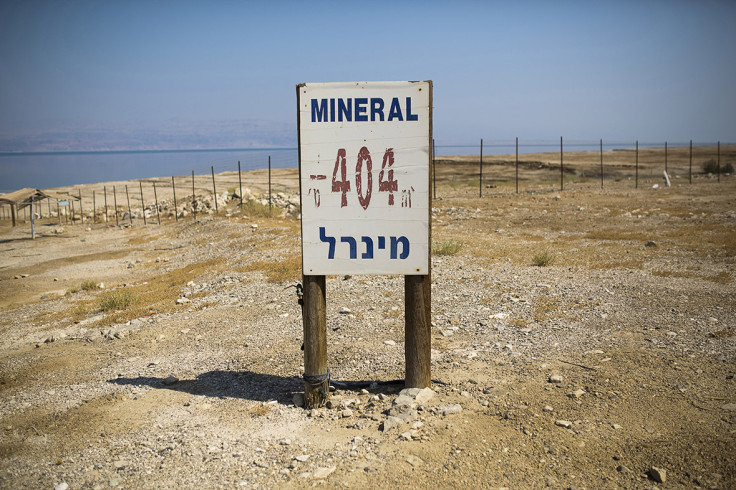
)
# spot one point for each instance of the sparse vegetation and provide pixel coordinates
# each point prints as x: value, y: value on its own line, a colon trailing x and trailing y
x: 255, y: 209
x: 711, y: 167
x: 118, y: 299
x: 543, y: 259
x: 446, y: 247
x: 89, y: 285
x: 287, y: 269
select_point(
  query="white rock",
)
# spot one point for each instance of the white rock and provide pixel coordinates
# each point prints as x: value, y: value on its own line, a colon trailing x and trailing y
x: 556, y: 379
x: 323, y: 472
x: 389, y: 342
x: 563, y: 423
x: 61, y: 486
x: 451, y: 409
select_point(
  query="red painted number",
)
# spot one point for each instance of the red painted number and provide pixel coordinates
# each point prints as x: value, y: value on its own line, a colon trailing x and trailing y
x: 389, y: 185
x: 364, y: 155
x: 342, y: 185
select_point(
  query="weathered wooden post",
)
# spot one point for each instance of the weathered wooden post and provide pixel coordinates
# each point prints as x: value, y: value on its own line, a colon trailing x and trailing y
x: 562, y: 171
x: 480, y: 175
x: 155, y: 200
x: 143, y: 205
x: 94, y: 208
x: 691, y: 161
x: 240, y: 183
x: 214, y: 189
x: 350, y: 225
x: 115, y: 202
x: 194, y: 199
x: 130, y: 213
x: 104, y: 190
x: 176, y: 208
x: 81, y: 211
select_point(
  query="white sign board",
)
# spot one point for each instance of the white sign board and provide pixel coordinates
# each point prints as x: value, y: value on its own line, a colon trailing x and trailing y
x: 364, y: 177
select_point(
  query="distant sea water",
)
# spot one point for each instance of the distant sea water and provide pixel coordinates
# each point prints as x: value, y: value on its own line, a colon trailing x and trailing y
x: 43, y: 170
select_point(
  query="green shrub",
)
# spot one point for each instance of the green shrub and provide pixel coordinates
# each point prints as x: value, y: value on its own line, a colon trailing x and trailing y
x: 119, y: 299
x: 255, y: 209
x: 447, y: 247
x: 711, y: 167
x: 89, y: 285
x: 543, y: 259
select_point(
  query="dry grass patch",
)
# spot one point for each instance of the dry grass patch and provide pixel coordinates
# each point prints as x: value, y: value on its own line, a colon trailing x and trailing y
x: 286, y: 269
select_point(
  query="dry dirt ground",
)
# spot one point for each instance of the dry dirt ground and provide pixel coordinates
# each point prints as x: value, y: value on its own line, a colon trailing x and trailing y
x: 609, y: 364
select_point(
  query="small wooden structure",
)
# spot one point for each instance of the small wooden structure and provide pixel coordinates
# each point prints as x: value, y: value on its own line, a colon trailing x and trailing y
x: 27, y: 197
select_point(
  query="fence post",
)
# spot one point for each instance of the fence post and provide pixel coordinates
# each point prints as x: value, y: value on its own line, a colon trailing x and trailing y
x: 176, y: 208
x: 517, y: 164
x: 155, y: 198
x: 58, y: 212
x: 94, y: 209
x: 130, y: 212
x: 316, y: 373
x: 719, y: 161
x: 81, y: 211
x: 143, y: 205
x: 601, y: 163
x: 104, y: 190
x: 115, y: 201
x: 434, y: 171
x: 269, y: 181
x: 637, y: 165
x: 691, y: 161
x: 71, y: 204
x: 214, y: 190
x: 194, y: 209
x: 665, y: 156
x: 562, y: 172
x: 480, y: 184
x: 240, y: 183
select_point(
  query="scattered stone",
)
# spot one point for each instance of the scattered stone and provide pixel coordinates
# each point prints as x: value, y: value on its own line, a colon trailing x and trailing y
x: 576, y: 394
x: 345, y: 310
x: 616, y: 426
x: 323, y: 472
x: 729, y: 407
x: 298, y: 400
x: 414, y: 460
x: 302, y: 458
x: 623, y: 469
x: 563, y: 423
x: 183, y: 300
x: 548, y: 409
x: 650, y: 243
x: 389, y: 342
x: 171, y: 380
x: 556, y: 379
x: 658, y: 474
x: 120, y: 464
x: 62, y: 486
x: 451, y: 409
x: 346, y: 413
x: 285, y: 442
x: 447, y: 332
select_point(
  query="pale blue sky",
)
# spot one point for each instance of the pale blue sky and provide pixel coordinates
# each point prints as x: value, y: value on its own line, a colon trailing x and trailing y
x: 538, y: 70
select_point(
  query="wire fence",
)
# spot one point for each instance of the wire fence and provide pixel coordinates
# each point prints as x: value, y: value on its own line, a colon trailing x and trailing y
x: 270, y: 176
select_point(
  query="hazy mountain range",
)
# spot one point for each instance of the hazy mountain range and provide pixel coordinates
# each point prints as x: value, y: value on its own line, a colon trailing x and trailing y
x: 55, y: 136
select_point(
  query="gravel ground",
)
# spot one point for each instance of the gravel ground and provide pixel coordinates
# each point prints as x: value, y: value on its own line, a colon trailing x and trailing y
x: 611, y: 367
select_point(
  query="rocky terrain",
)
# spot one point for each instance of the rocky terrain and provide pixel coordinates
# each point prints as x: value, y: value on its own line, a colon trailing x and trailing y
x: 580, y: 339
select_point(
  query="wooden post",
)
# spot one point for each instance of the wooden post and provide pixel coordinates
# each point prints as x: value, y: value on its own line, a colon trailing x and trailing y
x: 480, y: 184
x: 434, y: 171
x: 94, y: 208
x: 601, y: 163
x: 130, y: 213
x: 691, y: 161
x: 115, y: 202
x: 417, y: 331
x: 517, y: 164
x: 155, y: 199
x: 316, y: 373
x: 719, y: 161
x: 176, y: 209
x: 71, y: 205
x: 562, y: 172
x: 81, y: 210
x: 214, y: 190
x: 194, y: 211
x: 143, y: 206
x: 33, y: 222
x: 665, y: 156
x: 58, y: 212
x: 637, y: 164
x: 240, y: 182
x: 104, y: 189
x: 269, y: 181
